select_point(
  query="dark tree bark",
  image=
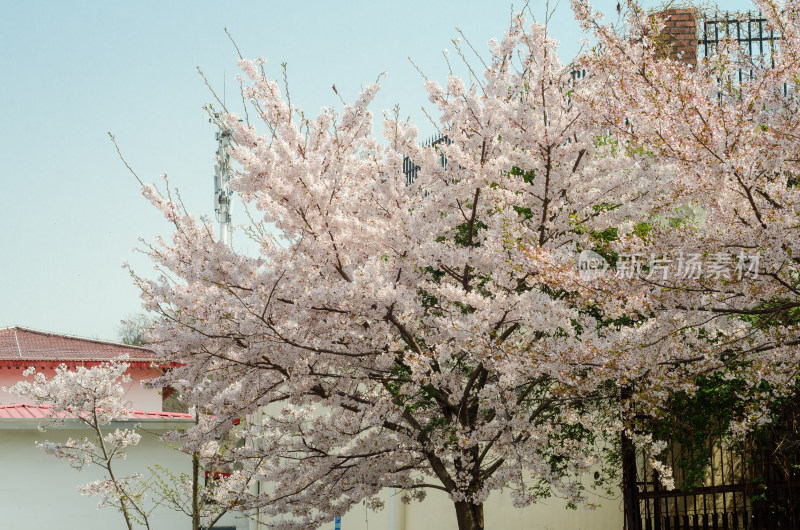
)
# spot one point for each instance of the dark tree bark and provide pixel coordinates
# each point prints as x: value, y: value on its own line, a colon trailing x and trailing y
x: 470, y: 516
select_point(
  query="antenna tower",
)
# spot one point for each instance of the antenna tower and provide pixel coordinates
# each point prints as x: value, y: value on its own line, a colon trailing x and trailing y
x: 222, y: 191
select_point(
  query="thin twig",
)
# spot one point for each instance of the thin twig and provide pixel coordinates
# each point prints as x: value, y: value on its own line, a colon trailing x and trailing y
x: 116, y: 146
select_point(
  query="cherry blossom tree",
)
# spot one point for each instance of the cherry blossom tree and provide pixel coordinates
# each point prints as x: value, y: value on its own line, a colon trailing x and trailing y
x: 435, y: 335
x: 94, y: 397
x: 725, y: 130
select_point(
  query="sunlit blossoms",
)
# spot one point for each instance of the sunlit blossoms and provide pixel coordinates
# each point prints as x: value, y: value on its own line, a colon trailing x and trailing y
x: 436, y: 335
x: 440, y: 334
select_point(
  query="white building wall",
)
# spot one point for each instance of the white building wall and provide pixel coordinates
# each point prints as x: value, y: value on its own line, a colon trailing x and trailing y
x: 436, y: 512
x: 31, y: 479
x: 38, y: 491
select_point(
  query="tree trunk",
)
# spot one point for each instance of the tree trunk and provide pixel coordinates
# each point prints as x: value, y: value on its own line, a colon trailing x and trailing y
x: 470, y: 516
x: 195, y: 492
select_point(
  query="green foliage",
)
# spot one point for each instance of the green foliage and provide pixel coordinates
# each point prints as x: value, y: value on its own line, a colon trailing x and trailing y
x: 786, y: 313
x: 696, y: 423
x: 462, y: 232
x: 523, y: 212
x: 695, y: 419
x: 527, y: 176
x: 422, y: 400
x: 606, y: 477
x: 642, y: 229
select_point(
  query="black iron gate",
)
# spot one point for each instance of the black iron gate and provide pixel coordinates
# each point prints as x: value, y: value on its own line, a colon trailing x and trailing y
x: 754, y: 485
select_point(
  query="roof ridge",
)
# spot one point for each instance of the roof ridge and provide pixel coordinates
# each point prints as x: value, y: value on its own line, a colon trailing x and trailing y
x: 74, y: 337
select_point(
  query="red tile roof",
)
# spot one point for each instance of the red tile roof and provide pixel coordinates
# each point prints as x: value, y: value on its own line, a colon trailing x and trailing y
x: 30, y: 345
x: 26, y: 411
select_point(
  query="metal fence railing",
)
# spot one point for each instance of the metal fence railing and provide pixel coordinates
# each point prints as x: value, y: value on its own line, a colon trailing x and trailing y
x: 754, y: 486
x: 411, y: 170
x: 757, y: 40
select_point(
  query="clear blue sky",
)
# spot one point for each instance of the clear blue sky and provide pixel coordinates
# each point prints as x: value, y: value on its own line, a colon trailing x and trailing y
x: 71, y: 71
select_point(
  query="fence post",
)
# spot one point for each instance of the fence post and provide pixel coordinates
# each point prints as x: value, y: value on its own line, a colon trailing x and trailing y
x: 633, y: 519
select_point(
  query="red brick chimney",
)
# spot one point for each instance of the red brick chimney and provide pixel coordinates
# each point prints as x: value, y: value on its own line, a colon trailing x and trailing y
x: 680, y: 34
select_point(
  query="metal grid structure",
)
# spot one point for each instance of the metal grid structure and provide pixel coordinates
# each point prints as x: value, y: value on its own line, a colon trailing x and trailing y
x: 410, y: 169
x: 757, y: 40
x: 744, y: 488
